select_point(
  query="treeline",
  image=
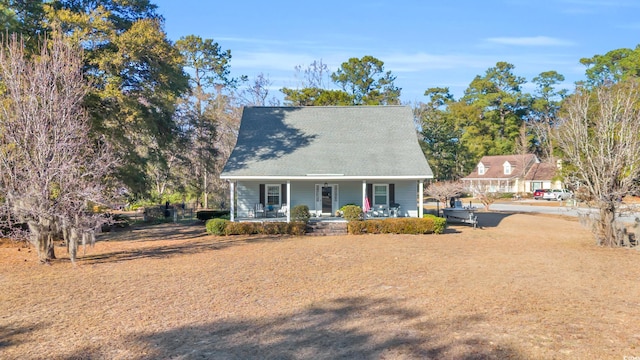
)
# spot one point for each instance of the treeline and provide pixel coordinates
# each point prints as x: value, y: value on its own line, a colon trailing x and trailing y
x: 167, y: 109
x: 171, y: 110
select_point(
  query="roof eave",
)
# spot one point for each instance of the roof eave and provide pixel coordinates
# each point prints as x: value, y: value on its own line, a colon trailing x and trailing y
x: 325, y: 177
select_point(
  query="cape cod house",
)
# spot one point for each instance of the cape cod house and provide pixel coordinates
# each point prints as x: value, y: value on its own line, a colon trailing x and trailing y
x: 325, y: 158
x: 511, y: 174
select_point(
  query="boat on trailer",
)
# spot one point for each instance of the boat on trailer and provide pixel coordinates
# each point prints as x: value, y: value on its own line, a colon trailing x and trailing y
x: 461, y: 214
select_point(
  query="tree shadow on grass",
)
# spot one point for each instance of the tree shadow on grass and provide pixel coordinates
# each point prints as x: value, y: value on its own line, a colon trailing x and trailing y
x: 491, y: 219
x: 13, y: 335
x: 344, y: 328
x: 185, y: 248
x: 165, y: 231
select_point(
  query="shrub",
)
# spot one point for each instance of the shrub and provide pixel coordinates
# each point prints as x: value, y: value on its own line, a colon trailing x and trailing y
x: 266, y: 228
x: 356, y: 227
x: 300, y: 213
x: 439, y: 224
x: 274, y: 228
x: 242, y: 228
x: 216, y: 226
x: 352, y: 212
x: 297, y: 228
x: 142, y: 204
x: 154, y: 213
x: 204, y: 215
x: 345, y: 205
x: 428, y: 225
x: 113, y: 221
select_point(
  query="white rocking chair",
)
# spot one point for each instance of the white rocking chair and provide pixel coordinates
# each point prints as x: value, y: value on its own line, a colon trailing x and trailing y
x: 259, y: 210
x: 284, y: 209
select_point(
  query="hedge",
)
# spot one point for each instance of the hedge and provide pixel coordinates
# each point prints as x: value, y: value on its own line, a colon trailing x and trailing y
x: 428, y: 225
x: 352, y: 212
x: 225, y: 227
x: 439, y: 223
x: 300, y: 213
x: 204, y: 215
x: 216, y: 226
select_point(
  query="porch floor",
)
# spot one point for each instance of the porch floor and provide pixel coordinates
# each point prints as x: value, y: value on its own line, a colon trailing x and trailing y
x: 281, y: 219
x: 312, y: 219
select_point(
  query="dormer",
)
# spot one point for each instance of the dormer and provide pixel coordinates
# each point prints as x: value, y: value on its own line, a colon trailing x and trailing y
x: 507, y: 168
x: 481, y: 169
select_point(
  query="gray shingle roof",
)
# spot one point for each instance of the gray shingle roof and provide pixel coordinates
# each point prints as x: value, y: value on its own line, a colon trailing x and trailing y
x: 356, y: 141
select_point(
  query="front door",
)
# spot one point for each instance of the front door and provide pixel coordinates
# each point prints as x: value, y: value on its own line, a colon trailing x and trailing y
x: 326, y: 199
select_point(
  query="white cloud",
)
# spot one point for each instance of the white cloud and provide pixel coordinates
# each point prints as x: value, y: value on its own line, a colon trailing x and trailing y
x: 603, y: 3
x: 529, y: 41
x: 399, y: 62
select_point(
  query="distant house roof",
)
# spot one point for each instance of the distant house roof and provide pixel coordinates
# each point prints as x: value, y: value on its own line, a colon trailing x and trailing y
x: 494, y: 166
x: 541, y: 171
x: 344, y: 141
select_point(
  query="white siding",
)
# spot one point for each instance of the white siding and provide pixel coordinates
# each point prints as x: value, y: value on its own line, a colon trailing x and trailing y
x: 349, y: 192
x: 247, y: 194
x: 303, y: 193
x: 407, y: 196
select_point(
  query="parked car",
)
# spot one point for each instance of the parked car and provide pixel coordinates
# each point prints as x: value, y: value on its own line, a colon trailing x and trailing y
x: 557, y: 194
x: 537, y: 195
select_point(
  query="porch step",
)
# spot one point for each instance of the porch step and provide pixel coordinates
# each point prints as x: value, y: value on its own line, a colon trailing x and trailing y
x: 321, y: 228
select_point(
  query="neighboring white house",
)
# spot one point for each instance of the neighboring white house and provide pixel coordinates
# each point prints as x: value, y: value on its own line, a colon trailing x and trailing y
x: 326, y: 157
x: 511, y: 174
x: 542, y: 176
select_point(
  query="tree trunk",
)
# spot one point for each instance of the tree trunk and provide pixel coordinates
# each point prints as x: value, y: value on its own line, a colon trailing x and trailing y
x: 608, y: 235
x: 73, y: 243
x: 42, y: 238
x: 206, y: 195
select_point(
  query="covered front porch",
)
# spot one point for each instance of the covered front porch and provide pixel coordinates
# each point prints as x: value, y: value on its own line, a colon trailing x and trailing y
x: 271, y: 199
x: 511, y: 185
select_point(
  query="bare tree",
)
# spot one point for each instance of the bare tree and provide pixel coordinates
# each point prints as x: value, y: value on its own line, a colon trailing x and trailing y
x: 523, y: 152
x: 598, y: 134
x: 256, y: 93
x: 443, y: 190
x: 227, y: 119
x: 51, y: 170
x: 483, y: 194
x: 316, y: 75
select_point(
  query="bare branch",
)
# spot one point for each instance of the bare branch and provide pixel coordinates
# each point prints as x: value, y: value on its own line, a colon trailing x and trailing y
x: 598, y: 134
x: 51, y: 168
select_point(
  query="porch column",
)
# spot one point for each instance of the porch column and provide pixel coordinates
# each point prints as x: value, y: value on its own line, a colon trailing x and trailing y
x: 232, y: 189
x: 289, y: 200
x: 421, y: 198
x: 364, y: 192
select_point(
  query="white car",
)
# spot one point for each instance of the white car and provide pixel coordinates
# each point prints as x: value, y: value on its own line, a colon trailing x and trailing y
x: 557, y: 194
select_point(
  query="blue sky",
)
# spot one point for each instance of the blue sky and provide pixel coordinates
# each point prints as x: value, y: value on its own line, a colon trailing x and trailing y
x: 424, y: 43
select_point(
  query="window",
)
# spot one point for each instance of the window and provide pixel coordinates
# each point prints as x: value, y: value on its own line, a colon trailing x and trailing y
x: 481, y: 169
x: 535, y: 185
x: 507, y: 168
x: 380, y: 194
x: 273, y: 195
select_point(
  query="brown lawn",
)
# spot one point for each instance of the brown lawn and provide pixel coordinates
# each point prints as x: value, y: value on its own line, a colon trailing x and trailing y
x: 522, y: 287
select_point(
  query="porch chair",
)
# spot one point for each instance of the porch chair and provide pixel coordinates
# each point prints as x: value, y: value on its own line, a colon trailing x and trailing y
x: 380, y: 211
x: 259, y: 210
x: 284, y: 209
x: 394, y: 209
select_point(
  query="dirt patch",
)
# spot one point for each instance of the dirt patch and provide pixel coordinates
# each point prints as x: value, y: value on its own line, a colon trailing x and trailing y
x: 522, y: 287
